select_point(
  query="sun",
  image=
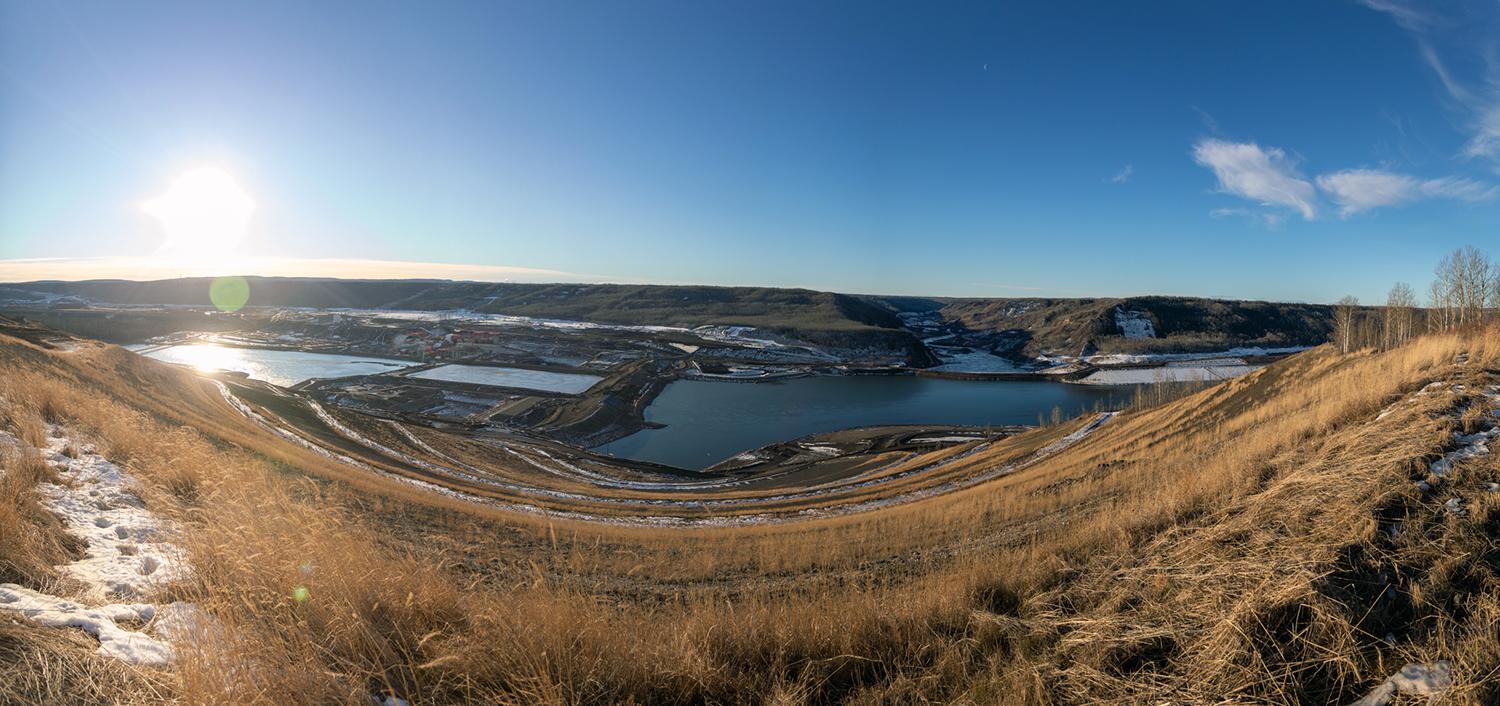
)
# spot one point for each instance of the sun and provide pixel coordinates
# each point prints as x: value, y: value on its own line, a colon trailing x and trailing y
x: 204, y: 214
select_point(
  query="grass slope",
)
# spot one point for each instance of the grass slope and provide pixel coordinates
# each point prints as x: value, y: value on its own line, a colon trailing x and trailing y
x: 1259, y: 541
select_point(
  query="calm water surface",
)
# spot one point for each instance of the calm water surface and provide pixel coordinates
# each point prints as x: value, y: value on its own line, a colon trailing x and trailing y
x: 283, y: 368
x: 709, y: 421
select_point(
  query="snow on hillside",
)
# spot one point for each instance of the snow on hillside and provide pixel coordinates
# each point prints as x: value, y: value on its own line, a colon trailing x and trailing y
x: 129, y: 555
x: 1134, y: 324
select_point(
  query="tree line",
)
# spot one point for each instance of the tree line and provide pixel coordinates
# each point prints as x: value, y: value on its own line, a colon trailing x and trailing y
x: 1465, y: 290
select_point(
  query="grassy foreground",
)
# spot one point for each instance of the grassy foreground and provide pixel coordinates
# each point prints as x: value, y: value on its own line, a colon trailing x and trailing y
x: 1261, y: 541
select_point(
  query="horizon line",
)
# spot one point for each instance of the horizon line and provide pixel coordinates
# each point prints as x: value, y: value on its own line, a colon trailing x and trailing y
x: 143, y: 270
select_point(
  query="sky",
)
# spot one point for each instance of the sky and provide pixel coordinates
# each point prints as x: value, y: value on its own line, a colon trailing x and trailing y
x: 1296, y: 151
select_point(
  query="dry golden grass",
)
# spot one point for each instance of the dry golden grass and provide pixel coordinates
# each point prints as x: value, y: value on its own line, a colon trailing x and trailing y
x: 34, y: 540
x: 60, y: 667
x: 1197, y: 550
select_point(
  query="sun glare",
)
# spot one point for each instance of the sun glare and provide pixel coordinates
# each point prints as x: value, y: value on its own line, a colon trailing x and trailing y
x: 204, y: 213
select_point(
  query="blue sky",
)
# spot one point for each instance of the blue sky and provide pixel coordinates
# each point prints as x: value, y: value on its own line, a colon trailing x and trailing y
x: 1278, y: 150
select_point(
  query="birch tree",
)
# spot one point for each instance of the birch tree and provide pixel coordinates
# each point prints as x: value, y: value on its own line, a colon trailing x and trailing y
x: 1463, y: 288
x: 1399, y: 320
x: 1344, y: 311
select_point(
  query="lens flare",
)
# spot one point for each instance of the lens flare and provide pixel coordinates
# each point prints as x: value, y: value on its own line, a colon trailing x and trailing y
x: 229, y: 294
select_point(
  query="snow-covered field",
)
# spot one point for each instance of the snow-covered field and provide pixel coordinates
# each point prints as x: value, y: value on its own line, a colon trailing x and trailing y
x: 1175, y: 372
x: 566, y: 383
x: 130, y: 554
x: 1152, y: 358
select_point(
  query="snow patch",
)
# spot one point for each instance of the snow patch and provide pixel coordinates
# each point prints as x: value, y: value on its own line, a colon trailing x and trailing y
x: 1154, y: 358
x: 129, y: 554
x: 1430, y: 680
x: 1473, y: 445
x: 102, y: 622
x: 1134, y: 324
x: 1175, y: 372
x: 820, y: 449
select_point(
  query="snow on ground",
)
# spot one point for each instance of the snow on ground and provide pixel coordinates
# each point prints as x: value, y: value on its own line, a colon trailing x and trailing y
x: 1206, y: 363
x: 1153, y: 358
x: 1473, y: 445
x: 1431, y: 680
x: 566, y: 383
x: 464, y: 315
x: 1180, y: 372
x: 820, y: 449
x: 129, y: 555
x: 783, y: 350
x: 1134, y: 324
x: 739, y: 335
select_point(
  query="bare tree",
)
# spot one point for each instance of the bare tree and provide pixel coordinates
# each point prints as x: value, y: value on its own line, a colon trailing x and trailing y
x: 1400, y: 315
x: 1344, y: 311
x: 1477, y: 284
x: 1494, y: 298
x: 1464, y: 288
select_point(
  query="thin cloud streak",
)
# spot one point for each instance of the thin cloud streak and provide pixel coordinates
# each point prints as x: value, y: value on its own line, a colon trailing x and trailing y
x: 1405, y: 15
x: 1358, y: 190
x: 1479, y: 96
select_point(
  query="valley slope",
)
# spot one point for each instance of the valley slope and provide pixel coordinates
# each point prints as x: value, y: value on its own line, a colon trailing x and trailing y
x: 1032, y: 326
x: 1294, y: 535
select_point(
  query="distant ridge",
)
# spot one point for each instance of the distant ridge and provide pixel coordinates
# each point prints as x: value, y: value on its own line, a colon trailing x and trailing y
x: 1039, y: 324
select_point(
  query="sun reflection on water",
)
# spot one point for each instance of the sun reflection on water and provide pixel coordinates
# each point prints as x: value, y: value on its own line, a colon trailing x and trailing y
x: 210, y: 357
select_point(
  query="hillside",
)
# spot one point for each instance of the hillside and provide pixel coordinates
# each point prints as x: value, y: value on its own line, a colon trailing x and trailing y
x: 1175, y: 323
x: 606, y: 303
x: 1264, y: 540
x: 1034, y: 326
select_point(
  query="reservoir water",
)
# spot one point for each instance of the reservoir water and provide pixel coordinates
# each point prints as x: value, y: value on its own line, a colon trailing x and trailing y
x: 707, y: 421
x: 277, y: 367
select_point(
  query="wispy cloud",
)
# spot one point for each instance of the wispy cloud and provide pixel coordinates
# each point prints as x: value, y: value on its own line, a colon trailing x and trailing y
x: 1470, y: 31
x: 1457, y: 90
x: 1123, y: 175
x: 1358, y: 190
x: 1209, y: 124
x: 1406, y: 14
x: 1486, y: 139
x: 149, y: 268
x: 1264, y: 175
x: 1270, y: 219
